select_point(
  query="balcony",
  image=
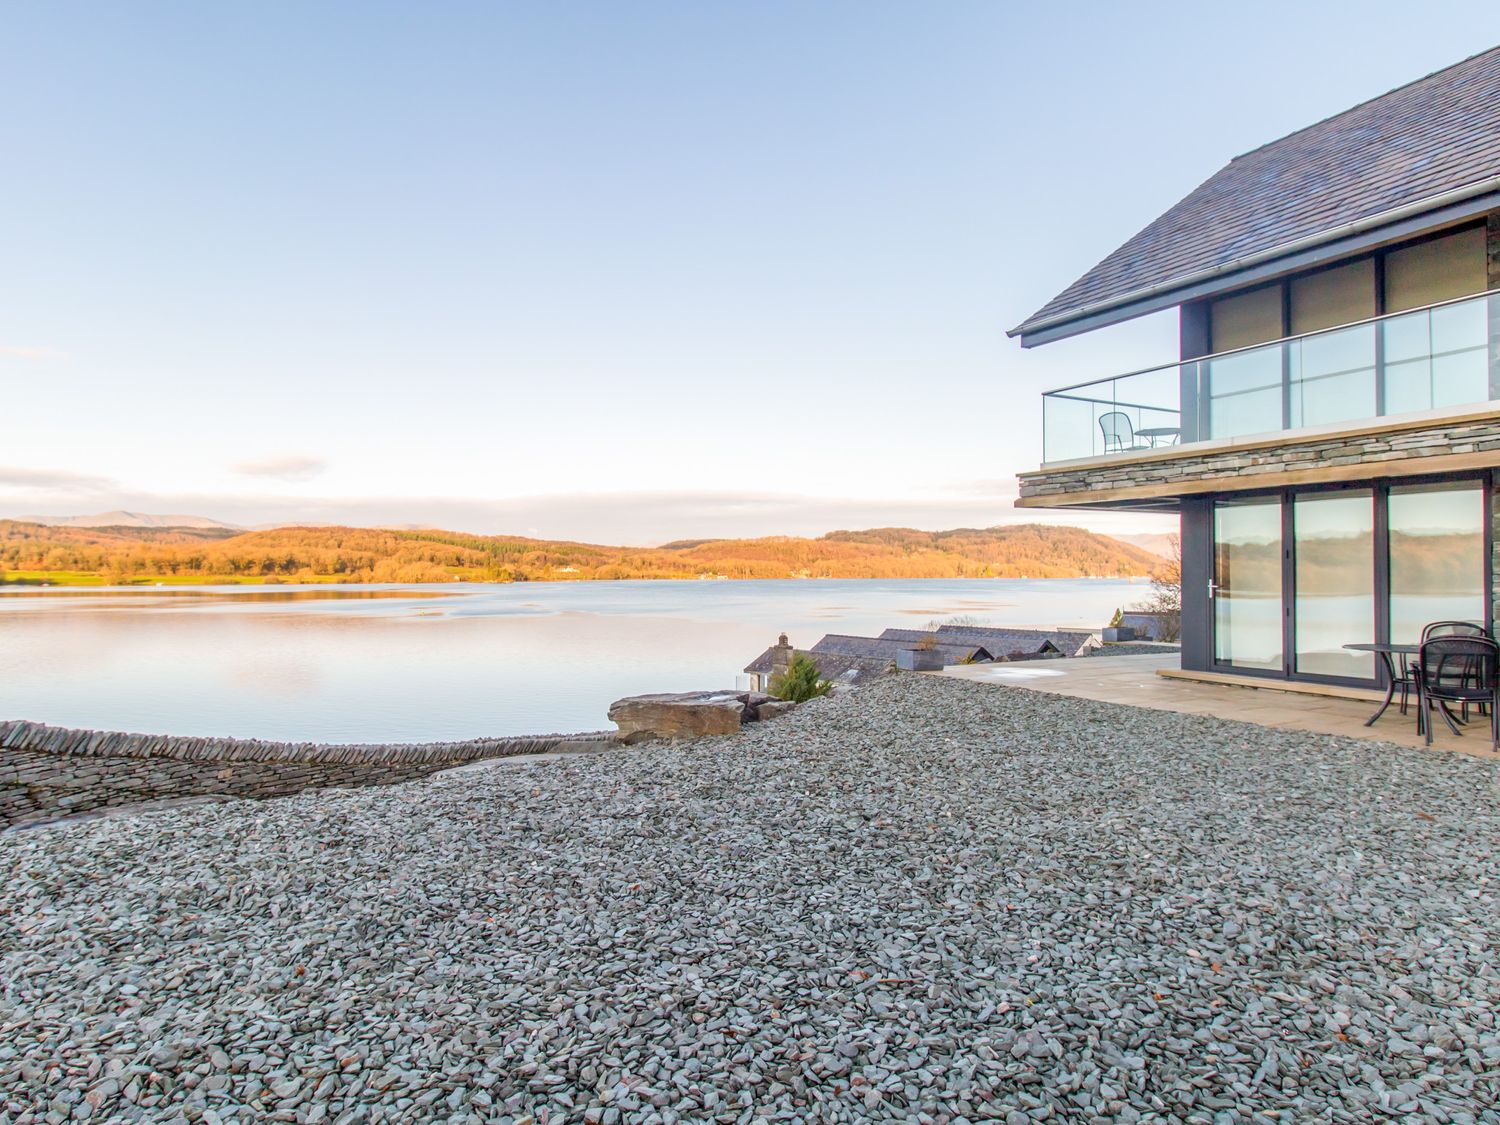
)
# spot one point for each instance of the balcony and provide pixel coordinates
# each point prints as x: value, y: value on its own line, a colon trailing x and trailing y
x: 1445, y: 355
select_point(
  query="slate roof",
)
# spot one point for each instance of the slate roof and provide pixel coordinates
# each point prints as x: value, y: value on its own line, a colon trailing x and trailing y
x: 843, y: 669
x: 1009, y: 643
x: 886, y: 648
x: 1433, y: 136
x: 765, y: 663
x: 838, y: 667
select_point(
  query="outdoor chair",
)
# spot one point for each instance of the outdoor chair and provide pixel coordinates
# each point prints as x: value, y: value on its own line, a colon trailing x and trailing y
x: 1451, y: 629
x: 1460, y: 669
x: 1119, y: 434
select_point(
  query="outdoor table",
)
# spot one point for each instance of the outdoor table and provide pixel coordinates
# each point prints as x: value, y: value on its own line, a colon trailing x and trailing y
x: 1154, y: 432
x: 1387, y: 654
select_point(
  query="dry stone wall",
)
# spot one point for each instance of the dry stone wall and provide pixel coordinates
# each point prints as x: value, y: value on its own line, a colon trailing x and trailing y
x: 50, y: 772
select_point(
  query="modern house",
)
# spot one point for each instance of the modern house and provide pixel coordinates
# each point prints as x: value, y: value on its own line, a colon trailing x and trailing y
x: 1329, y: 432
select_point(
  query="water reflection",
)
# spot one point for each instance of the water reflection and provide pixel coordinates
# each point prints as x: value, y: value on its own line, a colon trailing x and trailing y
x: 462, y: 661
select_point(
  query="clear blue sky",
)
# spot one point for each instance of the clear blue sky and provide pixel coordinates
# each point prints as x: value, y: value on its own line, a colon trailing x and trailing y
x: 622, y: 272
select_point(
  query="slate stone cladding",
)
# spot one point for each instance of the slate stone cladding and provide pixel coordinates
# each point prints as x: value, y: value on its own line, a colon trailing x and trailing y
x: 1238, y: 468
x: 50, y: 772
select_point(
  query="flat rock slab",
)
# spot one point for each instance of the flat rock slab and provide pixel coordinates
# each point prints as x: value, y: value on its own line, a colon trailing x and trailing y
x: 690, y: 714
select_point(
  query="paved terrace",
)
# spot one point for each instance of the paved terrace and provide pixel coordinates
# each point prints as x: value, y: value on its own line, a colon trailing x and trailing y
x: 1135, y: 680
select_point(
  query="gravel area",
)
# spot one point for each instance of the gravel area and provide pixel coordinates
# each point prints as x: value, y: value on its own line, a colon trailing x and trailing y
x: 928, y: 900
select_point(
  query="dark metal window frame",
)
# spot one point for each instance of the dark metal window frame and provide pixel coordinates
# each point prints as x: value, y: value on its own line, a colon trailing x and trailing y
x: 1380, y: 561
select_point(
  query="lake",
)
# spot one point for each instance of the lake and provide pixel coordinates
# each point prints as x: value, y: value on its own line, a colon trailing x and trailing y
x: 414, y: 663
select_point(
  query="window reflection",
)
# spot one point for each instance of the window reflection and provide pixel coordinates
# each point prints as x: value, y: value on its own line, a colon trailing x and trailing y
x: 1334, y: 536
x: 1437, y: 557
x: 1247, y: 569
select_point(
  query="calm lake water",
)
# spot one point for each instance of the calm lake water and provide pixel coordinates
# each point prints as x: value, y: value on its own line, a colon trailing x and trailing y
x: 399, y: 663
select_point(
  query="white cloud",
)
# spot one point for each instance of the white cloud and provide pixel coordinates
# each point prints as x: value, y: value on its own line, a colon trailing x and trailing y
x: 51, y: 480
x: 17, y: 351
x: 289, y: 467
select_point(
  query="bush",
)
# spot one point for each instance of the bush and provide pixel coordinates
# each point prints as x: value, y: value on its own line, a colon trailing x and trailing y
x: 799, y: 682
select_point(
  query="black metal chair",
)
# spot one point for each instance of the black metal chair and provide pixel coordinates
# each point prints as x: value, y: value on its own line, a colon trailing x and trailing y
x: 1462, y: 669
x: 1119, y: 433
x: 1452, y: 629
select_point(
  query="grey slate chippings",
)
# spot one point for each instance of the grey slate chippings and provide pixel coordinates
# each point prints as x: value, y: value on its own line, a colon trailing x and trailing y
x: 927, y: 901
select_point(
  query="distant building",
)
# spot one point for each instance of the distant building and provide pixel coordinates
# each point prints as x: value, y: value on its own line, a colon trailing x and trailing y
x: 849, y: 660
x: 889, y: 648
x: 1150, y: 626
x: 1023, y: 644
x: 842, y: 668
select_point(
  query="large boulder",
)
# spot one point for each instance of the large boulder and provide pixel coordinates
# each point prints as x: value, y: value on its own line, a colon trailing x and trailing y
x: 689, y: 714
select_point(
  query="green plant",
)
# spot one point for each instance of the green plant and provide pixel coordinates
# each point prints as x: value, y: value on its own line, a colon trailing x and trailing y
x: 1118, y: 619
x: 800, y: 681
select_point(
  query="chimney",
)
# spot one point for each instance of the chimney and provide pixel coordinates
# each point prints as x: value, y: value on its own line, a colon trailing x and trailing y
x: 781, y: 658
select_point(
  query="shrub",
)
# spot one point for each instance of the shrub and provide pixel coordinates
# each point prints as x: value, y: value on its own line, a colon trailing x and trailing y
x: 799, y: 682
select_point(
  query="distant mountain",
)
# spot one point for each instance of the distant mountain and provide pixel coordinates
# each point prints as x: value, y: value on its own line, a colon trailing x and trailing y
x: 119, y: 552
x: 1161, y: 544
x: 128, y: 519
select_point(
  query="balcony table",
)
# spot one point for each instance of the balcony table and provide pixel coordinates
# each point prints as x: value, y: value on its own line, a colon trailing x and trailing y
x: 1153, y: 432
x: 1387, y: 653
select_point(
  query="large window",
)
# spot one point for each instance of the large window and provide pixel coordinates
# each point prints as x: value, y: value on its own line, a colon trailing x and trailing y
x: 1437, y: 557
x: 1334, y: 543
x: 1407, y: 277
x: 1358, y: 564
x: 1329, y: 298
x: 1247, y: 577
x: 1440, y: 269
x: 1247, y: 318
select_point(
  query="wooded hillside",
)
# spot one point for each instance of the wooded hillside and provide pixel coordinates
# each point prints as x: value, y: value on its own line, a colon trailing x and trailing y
x: 67, y: 555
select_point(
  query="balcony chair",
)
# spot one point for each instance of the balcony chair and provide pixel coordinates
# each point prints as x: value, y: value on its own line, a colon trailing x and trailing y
x: 1462, y: 669
x: 1119, y: 434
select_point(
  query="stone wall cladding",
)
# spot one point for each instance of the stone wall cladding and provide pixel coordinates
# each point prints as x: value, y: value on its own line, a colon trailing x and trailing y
x: 1495, y: 549
x: 49, y: 772
x: 1243, y: 465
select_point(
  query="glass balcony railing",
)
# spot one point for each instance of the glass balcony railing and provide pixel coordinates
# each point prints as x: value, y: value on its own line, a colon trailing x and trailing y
x: 1445, y: 355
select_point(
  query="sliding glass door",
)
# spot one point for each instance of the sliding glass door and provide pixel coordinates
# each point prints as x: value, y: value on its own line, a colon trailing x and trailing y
x: 1298, y: 575
x: 1333, y: 550
x: 1247, y: 602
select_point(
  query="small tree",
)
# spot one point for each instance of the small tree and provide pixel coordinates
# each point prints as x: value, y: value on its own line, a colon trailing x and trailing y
x: 800, y: 681
x: 1118, y: 619
x: 1166, y: 594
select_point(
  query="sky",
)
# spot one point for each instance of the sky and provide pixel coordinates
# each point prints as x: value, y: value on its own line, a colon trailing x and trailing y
x: 614, y: 272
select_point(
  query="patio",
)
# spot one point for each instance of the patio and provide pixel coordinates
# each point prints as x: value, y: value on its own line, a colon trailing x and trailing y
x: 1156, y: 681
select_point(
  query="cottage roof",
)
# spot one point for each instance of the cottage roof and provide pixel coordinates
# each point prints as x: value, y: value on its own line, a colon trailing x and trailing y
x: 843, y: 669
x: 838, y: 667
x: 955, y: 651
x: 764, y: 663
x: 1010, y: 642
x: 1432, y: 144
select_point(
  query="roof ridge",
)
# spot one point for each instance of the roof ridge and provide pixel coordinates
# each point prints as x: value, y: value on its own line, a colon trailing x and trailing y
x: 1368, y: 101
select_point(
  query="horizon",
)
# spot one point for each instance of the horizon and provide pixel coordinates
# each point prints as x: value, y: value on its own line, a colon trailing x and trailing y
x: 164, y: 521
x: 598, y: 274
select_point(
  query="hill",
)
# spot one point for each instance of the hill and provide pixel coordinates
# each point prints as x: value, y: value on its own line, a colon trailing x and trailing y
x: 129, y: 519
x: 31, y: 552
